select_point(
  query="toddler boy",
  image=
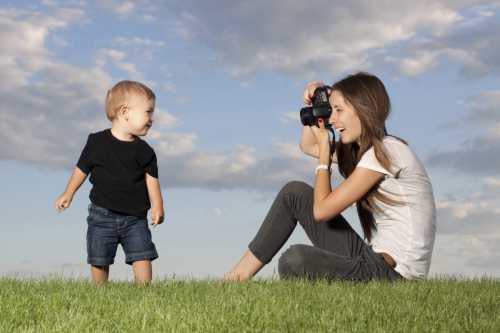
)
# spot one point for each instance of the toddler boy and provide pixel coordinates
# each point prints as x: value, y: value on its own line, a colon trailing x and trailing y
x: 124, y: 174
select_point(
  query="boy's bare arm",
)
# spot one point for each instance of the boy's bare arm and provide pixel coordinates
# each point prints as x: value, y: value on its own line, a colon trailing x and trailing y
x: 76, y: 180
x: 154, y: 191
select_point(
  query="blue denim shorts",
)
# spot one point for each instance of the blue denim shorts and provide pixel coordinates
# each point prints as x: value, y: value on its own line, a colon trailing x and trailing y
x: 107, y: 229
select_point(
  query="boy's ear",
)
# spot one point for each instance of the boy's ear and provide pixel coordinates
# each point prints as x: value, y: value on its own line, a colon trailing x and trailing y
x: 123, y: 110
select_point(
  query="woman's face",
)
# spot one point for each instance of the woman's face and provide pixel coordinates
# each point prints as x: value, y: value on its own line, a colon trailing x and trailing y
x: 344, y: 118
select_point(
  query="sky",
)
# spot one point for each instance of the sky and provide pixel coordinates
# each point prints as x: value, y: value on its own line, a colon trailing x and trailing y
x: 229, y: 77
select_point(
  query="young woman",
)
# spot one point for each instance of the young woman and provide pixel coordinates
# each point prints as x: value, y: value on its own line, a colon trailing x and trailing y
x: 383, y: 177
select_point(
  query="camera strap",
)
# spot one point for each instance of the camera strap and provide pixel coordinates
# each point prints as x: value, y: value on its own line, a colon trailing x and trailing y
x: 332, y: 144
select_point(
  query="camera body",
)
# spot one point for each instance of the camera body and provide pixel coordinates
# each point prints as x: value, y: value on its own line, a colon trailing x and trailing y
x: 320, y: 108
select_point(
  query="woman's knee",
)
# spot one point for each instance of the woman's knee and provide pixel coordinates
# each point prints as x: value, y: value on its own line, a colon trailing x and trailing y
x: 295, y: 186
x: 292, y: 262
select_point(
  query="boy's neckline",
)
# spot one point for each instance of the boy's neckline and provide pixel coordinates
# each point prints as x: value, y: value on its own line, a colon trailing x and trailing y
x: 119, y: 140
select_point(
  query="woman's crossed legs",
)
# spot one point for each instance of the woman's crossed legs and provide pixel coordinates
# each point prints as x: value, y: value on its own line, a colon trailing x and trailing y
x: 337, y: 251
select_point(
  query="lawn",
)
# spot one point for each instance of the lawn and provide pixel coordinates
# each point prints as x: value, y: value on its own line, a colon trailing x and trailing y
x: 170, y: 305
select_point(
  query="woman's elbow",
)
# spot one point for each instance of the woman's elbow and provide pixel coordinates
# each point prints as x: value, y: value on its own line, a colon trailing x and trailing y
x: 317, y: 214
x: 302, y: 148
x: 322, y: 214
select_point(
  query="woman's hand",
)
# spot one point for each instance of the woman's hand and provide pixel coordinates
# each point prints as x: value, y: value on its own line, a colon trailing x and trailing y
x: 309, y: 91
x: 323, y: 139
x: 308, y: 143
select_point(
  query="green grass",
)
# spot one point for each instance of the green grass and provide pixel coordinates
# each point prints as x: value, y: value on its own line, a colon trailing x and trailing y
x: 441, y: 305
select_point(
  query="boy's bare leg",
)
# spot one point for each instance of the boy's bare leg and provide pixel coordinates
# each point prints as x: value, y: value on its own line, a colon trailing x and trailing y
x: 247, y: 267
x: 143, y: 271
x: 99, y: 274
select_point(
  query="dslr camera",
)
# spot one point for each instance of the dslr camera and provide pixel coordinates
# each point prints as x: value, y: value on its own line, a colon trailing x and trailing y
x: 320, y: 108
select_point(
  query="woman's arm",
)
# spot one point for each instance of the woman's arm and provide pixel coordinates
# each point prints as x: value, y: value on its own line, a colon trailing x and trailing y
x: 328, y: 204
x: 308, y: 142
x: 309, y: 145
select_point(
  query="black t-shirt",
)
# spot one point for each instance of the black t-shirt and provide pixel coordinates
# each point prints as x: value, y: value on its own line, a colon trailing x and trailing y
x: 118, y: 172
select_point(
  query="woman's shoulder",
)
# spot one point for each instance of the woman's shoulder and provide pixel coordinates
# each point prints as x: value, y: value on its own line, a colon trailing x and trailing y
x: 393, y: 146
x: 391, y: 140
x: 402, y: 154
x: 397, y: 147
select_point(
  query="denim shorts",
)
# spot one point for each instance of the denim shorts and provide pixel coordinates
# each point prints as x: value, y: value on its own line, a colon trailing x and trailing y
x: 107, y: 229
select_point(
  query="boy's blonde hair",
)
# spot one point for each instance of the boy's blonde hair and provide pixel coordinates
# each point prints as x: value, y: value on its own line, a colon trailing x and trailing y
x: 120, y: 93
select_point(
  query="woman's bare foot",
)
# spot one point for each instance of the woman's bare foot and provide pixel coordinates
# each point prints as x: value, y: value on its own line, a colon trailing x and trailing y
x: 234, y: 276
x: 246, y: 268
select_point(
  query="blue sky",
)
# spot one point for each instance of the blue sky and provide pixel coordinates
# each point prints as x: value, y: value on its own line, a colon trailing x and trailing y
x: 228, y: 76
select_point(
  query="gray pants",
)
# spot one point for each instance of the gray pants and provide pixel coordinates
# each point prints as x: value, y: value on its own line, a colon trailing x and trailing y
x: 337, y: 252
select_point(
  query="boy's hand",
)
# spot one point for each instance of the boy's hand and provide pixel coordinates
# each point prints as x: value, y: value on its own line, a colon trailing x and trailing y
x: 157, y: 215
x: 63, y: 202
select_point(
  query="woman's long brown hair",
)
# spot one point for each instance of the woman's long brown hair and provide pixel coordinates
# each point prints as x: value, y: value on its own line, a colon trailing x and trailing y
x: 369, y: 98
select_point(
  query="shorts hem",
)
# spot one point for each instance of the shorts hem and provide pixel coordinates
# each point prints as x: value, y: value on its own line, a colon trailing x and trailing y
x: 150, y: 255
x: 100, y: 261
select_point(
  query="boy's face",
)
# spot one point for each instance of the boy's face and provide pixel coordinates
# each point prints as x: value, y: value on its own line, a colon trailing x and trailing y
x: 139, y: 114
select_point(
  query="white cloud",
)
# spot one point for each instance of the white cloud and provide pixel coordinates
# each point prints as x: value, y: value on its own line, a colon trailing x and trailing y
x: 58, y: 3
x: 471, y: 42
x: 242, y: 160
x: 117, y: 58
x: 473, y: 213
x: 165, y: 119
x: 328, y: 38
x: 104, y: 54
x: 58, y: 111
x: 183, y: 99
x: 70, y: 14
x: 60, y: 42
x: 119, y: 7
x: 243, y: 167
x: 419, y: 64
x: 334, y: 37
x: 49, y: 2
x: 138, y: 41
x: 23, y: 35
x: 290, y: 150
x: 481, y: 153
x: 124, y: 7
x: 217, y: 211
x: 142, y: 9
x: 131, y: 70
x: 60, y: 104
x: 484, y: 108
x: 492, y: 183
x: 169, y: 87
x: 466, y: 255
x: 149, y: 18
x: 65, y: 103
x: 468, y: 239
x: 290, y: 117
x: 21, y: 38
x: 173, y: 144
